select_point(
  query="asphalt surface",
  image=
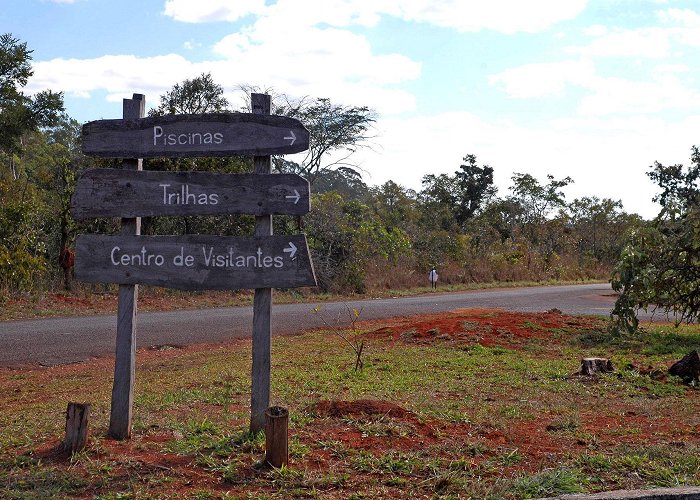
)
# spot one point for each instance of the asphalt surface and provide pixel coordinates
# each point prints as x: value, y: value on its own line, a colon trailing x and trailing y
x: 67, y: 340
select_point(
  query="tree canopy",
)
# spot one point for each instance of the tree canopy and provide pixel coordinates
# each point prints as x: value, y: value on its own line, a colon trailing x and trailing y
x: 660, y: 264
x: 20, y: 113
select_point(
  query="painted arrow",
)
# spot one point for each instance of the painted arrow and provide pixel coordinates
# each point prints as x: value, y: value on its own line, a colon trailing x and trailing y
x: 291, y: 250
x: 292, y: 138
x: 296, y: 196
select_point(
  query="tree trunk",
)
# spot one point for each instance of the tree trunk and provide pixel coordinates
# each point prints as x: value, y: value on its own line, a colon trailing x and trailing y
x: 687, y: 368
x: 593, y: 366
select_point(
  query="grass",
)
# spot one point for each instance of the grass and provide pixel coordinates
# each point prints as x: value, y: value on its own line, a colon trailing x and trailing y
x: 481, y: 421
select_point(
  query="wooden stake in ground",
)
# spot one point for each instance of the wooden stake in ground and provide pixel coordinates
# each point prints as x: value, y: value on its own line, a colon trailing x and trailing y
x: 262, y: 303
x: 276, y: 436
x: 125, y: 353
x: 77, y: 420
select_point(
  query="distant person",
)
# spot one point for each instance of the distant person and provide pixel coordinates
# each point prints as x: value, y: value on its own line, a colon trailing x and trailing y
x: 433, y: 277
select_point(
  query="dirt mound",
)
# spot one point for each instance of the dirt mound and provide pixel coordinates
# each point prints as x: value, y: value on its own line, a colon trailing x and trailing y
x: 361, y: 407
x: 487, y: 327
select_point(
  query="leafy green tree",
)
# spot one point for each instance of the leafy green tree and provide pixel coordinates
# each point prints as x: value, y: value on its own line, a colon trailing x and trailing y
x: 538, y: 200
x: 462, y: 193
x: 474, y: 185
x: 336, y: 133
x: 598, y: 226
x: 20, y: 113
x: 345, y: 238
x: 396, y: 205
x: 195, y: 96
x: 660, y: 264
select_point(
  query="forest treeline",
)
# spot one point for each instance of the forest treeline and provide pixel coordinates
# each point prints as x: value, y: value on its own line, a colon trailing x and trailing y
x: 361, y: 237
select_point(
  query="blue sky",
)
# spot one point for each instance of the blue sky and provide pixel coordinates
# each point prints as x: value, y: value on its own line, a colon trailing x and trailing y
x: 594, y: 89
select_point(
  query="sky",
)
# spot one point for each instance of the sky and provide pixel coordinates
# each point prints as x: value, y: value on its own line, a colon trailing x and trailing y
x: 597, y: 90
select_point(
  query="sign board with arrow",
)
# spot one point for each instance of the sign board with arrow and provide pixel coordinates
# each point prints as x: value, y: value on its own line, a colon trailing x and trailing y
x: 195, y: 262
x: 122, y: 193
x: 212, y: 134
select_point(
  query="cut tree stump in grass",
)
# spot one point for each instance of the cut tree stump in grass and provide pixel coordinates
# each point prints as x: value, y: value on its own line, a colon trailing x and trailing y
x: 593, y: 366
x: 77, y: 420
x: 276, y: 436
x: 687, y: 368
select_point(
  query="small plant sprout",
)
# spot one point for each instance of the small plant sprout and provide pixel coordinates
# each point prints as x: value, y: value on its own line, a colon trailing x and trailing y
x: 355, y: 343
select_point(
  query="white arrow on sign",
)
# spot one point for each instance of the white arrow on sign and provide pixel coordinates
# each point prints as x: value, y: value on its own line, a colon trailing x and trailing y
x: 291, y: 138
x: 291, y: 250
x: 294, y: 196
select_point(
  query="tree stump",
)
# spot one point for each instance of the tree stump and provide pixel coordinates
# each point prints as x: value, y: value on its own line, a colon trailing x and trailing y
x: 276, y: 436
x: 687, y: 368
x: 77, y: 416
x: 593, y: 366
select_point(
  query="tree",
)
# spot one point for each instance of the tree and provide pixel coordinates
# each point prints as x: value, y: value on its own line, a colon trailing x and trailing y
x: 538, y: 200
x: 463, y: 193
x: 196, y: 96
x: 20, y: 113
x: 660, y: 264
x: 598, y: 226
x: 474, y: 185
x: 336, y: 133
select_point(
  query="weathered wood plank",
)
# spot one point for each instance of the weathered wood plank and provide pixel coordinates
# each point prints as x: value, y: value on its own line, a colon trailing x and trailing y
x: 125, y: 349
x: 195, y: 262
x: 77, y: 427
x: 118, y: 193
x: 262, y: 301
x: 212, y: 134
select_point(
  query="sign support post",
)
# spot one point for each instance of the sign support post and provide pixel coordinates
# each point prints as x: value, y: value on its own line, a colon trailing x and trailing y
x: 125, y: 353
x: 262, y: 303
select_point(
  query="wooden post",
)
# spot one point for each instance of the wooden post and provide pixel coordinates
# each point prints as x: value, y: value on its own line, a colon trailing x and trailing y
x: 276, y: 436
x: 125, y: 353
x: 77, y: 419
x: 262, y: 303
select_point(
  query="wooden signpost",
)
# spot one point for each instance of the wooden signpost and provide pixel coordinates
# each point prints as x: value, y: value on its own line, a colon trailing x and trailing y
x: 192, y: 262
x: 213, y: 134
x: 116, y: 193
x: 195, y: 262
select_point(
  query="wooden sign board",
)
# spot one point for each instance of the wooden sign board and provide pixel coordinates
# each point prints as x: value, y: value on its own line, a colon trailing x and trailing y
x: 212, y: 134
x: 123, y: 193
x: 195, y: 262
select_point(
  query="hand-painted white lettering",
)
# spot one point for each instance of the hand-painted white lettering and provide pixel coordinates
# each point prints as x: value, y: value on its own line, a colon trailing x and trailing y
x: 142, y: 258
x: 162, y: 138
x: 183, y: 196
x: 182, y: 260
x: 230, y: 259
x: 157, y: 132
x: 114, y: 261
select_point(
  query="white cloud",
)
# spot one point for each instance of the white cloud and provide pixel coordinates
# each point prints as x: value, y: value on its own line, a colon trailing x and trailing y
x: 645, y: 42
x: 211, y: 10
x: 117, y: 75
x: 506, y: 16
x: 663, y: 91
x: 620, y: 96
x: 544, y: 79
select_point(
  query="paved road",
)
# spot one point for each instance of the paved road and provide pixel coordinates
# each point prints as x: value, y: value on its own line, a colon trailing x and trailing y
x: 67, y: 340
